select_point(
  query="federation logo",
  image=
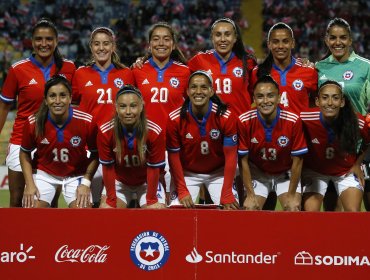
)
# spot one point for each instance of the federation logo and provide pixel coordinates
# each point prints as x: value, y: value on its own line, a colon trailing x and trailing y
x: 214, y: 133
x: 298, y: 84
x: 118, y: 82
x: 238, y: 72
x: 75, y: 141
x: 174, y: 82
x: 283, y: 141
x: 348, y: 75
x: 149, y: 250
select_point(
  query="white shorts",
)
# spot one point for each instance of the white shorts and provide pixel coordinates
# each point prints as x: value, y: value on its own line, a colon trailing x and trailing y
x: 263, y: 183
x: 12, y: 158
x: 127, y: 193
x: 47, y: 185
x: 318, y: 183
x: 213, y: 182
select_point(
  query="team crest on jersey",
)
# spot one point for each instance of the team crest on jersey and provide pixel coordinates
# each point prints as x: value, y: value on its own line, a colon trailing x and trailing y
x: 214, y: 133
x: 238, y: 72
x: 297, y: 84
x: 174, y: 82
x: 118, y: 82
x: 149, y: 250
x: 75, y: 141
x: 283, y: 141
x: 348, y: 75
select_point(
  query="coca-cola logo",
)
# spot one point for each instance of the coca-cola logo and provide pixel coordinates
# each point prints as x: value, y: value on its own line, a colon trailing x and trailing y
x: 92, y: 254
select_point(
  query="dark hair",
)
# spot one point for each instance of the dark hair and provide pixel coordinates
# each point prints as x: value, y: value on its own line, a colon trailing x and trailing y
x: 221, y: 107
x: 238, y: 47
x: 42, y: 114
x: 266, y: 79
x: 116, y: 61
x: 345, y: 125
x: 265, y: 67
x: 140, y: 126
x: 47, y: 23
x: 336, y: 22
x: 176, y: 53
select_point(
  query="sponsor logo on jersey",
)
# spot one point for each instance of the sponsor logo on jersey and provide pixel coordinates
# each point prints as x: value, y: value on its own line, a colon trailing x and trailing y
x: 298, y: 84
x: 188, y: 136
x: 174, y: 82
x: 238, y: 72
x: 254, y: 140
x: 209, y: 71
x: 323, y: 77
x: 149, y: 250
x: 88, y: 84
x: 75, y: 141
x: 283, y: 141
x: 214, y: 133
x: 18, y: 256
x: 118, y: 82
x: 45, y: 141
x: 32, y: 82
x: 315, y: 141
x: 145, y: 82
x: 348, y: 75
x: 305, y: 258
x: 90, y: 254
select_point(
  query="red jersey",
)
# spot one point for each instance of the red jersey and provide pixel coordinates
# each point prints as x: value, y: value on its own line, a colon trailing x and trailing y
x: 296, y: 84
x: 163, y: 89
x: 324, y: 154
x: 61, y: 151
x: 26, y: 81
x: 271, y: 148
x: 96, y: 90
x: 228, y: 79
x: 200, y: 143
x: 129, y: 171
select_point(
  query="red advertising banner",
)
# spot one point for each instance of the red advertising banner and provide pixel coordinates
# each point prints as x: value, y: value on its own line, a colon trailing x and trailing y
x: 182, y: 244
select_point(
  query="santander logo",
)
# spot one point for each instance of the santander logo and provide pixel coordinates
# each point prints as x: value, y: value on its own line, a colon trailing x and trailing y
x: 92, y: 254
x: 194, y: 257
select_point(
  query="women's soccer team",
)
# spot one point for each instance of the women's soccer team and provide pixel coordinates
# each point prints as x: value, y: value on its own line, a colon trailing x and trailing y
x: 166, y: 131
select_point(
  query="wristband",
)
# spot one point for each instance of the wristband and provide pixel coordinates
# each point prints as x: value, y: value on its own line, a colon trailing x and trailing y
x: 86, y: 182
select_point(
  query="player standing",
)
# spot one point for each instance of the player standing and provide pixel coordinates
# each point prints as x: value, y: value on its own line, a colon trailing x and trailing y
x: 297, y: 83
x: 25, y: 83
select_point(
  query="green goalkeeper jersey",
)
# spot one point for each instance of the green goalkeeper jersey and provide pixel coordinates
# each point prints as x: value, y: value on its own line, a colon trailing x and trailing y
x: 353, y: 75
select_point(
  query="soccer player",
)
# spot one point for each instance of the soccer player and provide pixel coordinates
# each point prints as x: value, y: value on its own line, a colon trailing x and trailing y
x: 95, y: 86
x: 271, y: 147
x: 163, y: 77
x: 25, y: 82
x: 202, y: 146
x: 132, y: 152
x: 332, y: 132
x: 60, y: 134
x: 352, y: 71
x: 297, y: 83
x: 229, y: 64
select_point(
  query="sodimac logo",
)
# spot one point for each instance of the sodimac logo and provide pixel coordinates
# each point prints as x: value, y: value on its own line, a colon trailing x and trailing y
x: 232, y: 257
x: 22, y: 255
x: 305, y: 258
